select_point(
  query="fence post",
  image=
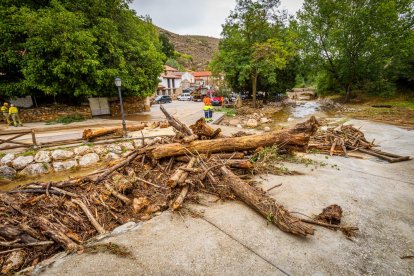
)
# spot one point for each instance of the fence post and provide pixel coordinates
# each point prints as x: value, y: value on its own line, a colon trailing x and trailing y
x: 34, y: 138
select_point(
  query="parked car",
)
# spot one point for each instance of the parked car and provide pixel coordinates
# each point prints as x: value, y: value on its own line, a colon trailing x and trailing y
x: 216, y: 101
x: 184, y: 97
x: 163, y: 99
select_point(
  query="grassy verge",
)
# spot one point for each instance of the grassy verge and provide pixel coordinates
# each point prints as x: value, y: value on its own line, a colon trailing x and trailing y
x: 67, y: 119
x: 230, y: 112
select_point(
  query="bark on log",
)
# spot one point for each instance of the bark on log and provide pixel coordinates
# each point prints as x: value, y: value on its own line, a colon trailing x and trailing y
x: 175, y: 123
x: 265, y: 205
x: 202, y: 129
x: 116, y: 194
x: 91, y: 218
x: 180, y: 175
x: 55, y: 234
x: 296, y: 138
x: 225, y: 156
x: 117, y: 166
x: 180, y: 198
x: 89, y: 134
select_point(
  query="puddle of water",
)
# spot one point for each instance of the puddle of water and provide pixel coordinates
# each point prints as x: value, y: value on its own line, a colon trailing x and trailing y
x: 54, y: 176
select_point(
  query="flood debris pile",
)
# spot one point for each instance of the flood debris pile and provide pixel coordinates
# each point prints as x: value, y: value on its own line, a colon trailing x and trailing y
x: 41, y: 219
x: 346, y: 138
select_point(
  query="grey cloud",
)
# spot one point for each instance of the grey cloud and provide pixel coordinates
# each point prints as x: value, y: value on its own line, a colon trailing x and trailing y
x: 201, y: 17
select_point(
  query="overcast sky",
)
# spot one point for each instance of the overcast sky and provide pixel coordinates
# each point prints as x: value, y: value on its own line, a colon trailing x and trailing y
x: 196, y: 17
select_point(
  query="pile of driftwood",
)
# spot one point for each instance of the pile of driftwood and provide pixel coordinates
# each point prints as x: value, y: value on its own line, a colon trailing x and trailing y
x: 41, y: 219
x: 346, y: 138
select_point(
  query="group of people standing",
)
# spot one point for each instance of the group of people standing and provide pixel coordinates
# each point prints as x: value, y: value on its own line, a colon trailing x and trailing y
x: 11, y: 112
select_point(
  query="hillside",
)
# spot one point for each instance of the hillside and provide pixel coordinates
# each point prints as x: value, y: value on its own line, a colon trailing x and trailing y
x: 200, y: 49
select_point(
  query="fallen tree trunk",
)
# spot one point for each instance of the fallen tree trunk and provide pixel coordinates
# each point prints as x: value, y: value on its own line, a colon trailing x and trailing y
x: 296, y: 138
x: 235, y: 155
x: 265, y: 205
x: 89, y: 134
x: 202, y: 129
x: 175, y: 123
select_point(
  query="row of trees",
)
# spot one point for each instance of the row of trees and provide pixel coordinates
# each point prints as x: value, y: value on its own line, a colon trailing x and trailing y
x: 342, y: 46
x: 63, y: 47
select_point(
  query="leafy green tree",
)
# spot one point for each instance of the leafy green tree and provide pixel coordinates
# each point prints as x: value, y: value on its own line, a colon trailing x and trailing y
x: 356, y: 44
x: 77, y: 48
x: 166, y: 46
x: 254, y: 45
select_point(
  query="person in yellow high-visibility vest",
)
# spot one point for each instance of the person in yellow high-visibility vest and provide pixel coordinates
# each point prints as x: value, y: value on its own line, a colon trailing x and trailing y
x: 14, y: 114
x: 5, y: 111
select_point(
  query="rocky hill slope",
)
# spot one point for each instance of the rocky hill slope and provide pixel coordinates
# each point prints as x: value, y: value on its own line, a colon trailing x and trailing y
x: 197, y: 50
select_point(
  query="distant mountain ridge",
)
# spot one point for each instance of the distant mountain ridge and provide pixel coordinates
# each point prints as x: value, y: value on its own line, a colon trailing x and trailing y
x: 200, y: 48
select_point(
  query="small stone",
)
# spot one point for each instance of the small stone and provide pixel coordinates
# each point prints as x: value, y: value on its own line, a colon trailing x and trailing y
x: 36, y: 169
x: 64, y: 165
x: 267, y: 129
x: 88, y: 159
x: 7, y: 159
x: 42, y: 157
x: 62, y: 154
x: 138, y: 204
x: 82, y: 150
x: 111, y: 156
x: 22, y: 161
x: 114, y: 148
x: 137, y: 143
x: 239, y: 126
x: 252, y: 123
x: 125, y: 228
x: 164, y: 124
x: 7, y: 172
x: 234, y: 122
x: 100, y: 150
x: 264, y: 120
x: 127, y: 146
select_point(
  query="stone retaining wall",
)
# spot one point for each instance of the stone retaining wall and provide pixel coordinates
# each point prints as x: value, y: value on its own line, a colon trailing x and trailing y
x: 44, y: 114
x: 132, y: 105
x: 46, y: 161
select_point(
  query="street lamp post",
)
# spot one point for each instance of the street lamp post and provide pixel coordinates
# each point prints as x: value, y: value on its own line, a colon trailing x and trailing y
x: 118, y: 84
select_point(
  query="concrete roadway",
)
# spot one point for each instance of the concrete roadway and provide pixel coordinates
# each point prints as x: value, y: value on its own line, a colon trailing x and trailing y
x: 231, y: 239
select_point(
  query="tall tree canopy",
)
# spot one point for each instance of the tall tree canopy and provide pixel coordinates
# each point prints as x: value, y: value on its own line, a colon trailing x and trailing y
x: 256, y: 45
x: 356, y: 44
x: 76, y: 48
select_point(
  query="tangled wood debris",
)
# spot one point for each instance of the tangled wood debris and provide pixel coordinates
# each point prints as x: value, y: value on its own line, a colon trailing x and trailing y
x: 41, y: 219
x: 346, y: 138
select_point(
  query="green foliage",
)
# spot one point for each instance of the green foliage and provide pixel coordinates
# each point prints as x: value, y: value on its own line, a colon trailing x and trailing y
x: 174, y: 63
x: 67, y: 119
x: 166, y: 46
x: 255, y: 47
x: 230, y: 112
x: 356, y: 44
x: 77, y: 48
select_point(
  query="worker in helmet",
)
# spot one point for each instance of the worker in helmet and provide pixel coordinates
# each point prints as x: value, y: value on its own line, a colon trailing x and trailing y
x: 5, y: 111
x: 14, y: 114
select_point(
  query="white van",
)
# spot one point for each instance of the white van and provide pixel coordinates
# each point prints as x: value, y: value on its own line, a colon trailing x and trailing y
x: 184, y: 97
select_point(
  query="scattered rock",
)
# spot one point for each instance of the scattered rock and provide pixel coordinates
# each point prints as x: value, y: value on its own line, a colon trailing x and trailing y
x: 64, y: 165
x: 127, y: 146
x: 164, y: 124
x: 125, y: 228
x: 100, y: 150
x: 42, y: 157
x: 114, y: 148
x: 252, y: 123
x: 111, y: 156
x: 22, y: 161
x: 7, y: 172
x: 82, y: 150
x: 137, y: 143
x: 264, y: 120
x: 62, y: 154
x: 88, y: 159
x: 234, y: 122
x: 140, y: 203
x: 239, y: 126
x: 7, y: 159
x: 36, y: 169
x: 267, y: 129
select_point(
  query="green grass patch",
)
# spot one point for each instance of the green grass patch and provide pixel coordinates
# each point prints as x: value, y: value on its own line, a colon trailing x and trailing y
x: 230, y: 112
x: 67, y: 119
x: 29, y: 152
